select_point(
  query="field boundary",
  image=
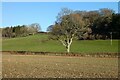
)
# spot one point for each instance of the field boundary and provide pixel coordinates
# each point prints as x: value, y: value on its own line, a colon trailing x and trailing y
x: 63, y: 54
x: 60, y: 79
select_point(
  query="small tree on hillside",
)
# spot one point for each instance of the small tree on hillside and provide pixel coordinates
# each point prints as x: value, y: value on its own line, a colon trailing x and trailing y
x: 34, y: 28
x: 66, y: 27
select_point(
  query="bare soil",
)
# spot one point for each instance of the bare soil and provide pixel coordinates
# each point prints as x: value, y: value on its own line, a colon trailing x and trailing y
x: 49, y: 66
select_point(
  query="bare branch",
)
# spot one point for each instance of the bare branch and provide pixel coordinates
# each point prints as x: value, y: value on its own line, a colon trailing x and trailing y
x: 62, y: 42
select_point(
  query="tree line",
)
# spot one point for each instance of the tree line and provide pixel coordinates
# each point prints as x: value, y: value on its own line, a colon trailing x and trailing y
x: 20, y: 30
x: 98, y: 24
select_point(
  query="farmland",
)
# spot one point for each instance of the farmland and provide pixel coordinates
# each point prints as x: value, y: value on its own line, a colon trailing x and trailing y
x: 41, y: 43
x: 51, y: 66
x: 50, y: 40
x: 44, y: 66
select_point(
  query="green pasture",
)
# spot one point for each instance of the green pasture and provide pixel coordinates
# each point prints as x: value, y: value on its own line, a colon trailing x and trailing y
x: 41, y: 43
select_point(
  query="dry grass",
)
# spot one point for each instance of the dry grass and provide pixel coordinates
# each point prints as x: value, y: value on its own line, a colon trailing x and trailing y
x: 43, y: 66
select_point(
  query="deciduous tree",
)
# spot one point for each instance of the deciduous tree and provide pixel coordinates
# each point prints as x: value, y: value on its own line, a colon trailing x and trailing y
x: 66, y: 27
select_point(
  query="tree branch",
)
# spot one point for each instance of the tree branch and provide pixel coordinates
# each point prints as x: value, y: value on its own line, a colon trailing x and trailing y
x: 62, y: 42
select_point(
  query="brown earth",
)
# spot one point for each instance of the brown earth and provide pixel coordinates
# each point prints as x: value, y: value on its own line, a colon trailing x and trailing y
x: 50, y: 66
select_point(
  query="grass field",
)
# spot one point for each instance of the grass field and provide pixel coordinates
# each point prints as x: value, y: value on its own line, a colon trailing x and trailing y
x: 43, y: 66
x: 39, y: 43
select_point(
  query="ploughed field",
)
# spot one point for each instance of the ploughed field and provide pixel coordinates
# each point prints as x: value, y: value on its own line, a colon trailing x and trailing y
x: 49, y: 66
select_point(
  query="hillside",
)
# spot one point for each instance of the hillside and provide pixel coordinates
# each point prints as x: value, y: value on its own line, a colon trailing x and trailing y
x: 40, y: 43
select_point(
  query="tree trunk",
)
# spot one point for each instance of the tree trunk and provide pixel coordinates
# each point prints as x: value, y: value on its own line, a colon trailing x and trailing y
x: 67, y: 43
x: 68, y: 48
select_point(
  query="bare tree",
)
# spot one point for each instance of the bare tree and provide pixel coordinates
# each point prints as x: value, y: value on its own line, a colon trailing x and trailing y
x: 34, y: 28
x: 66, y: 27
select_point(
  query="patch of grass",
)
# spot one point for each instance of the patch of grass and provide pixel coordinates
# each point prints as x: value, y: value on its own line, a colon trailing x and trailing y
x: 95, y: 46
x: 43, y: 66
x: 40, y: 43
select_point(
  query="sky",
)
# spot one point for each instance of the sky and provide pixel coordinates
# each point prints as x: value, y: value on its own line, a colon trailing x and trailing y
x: 44, y: 13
